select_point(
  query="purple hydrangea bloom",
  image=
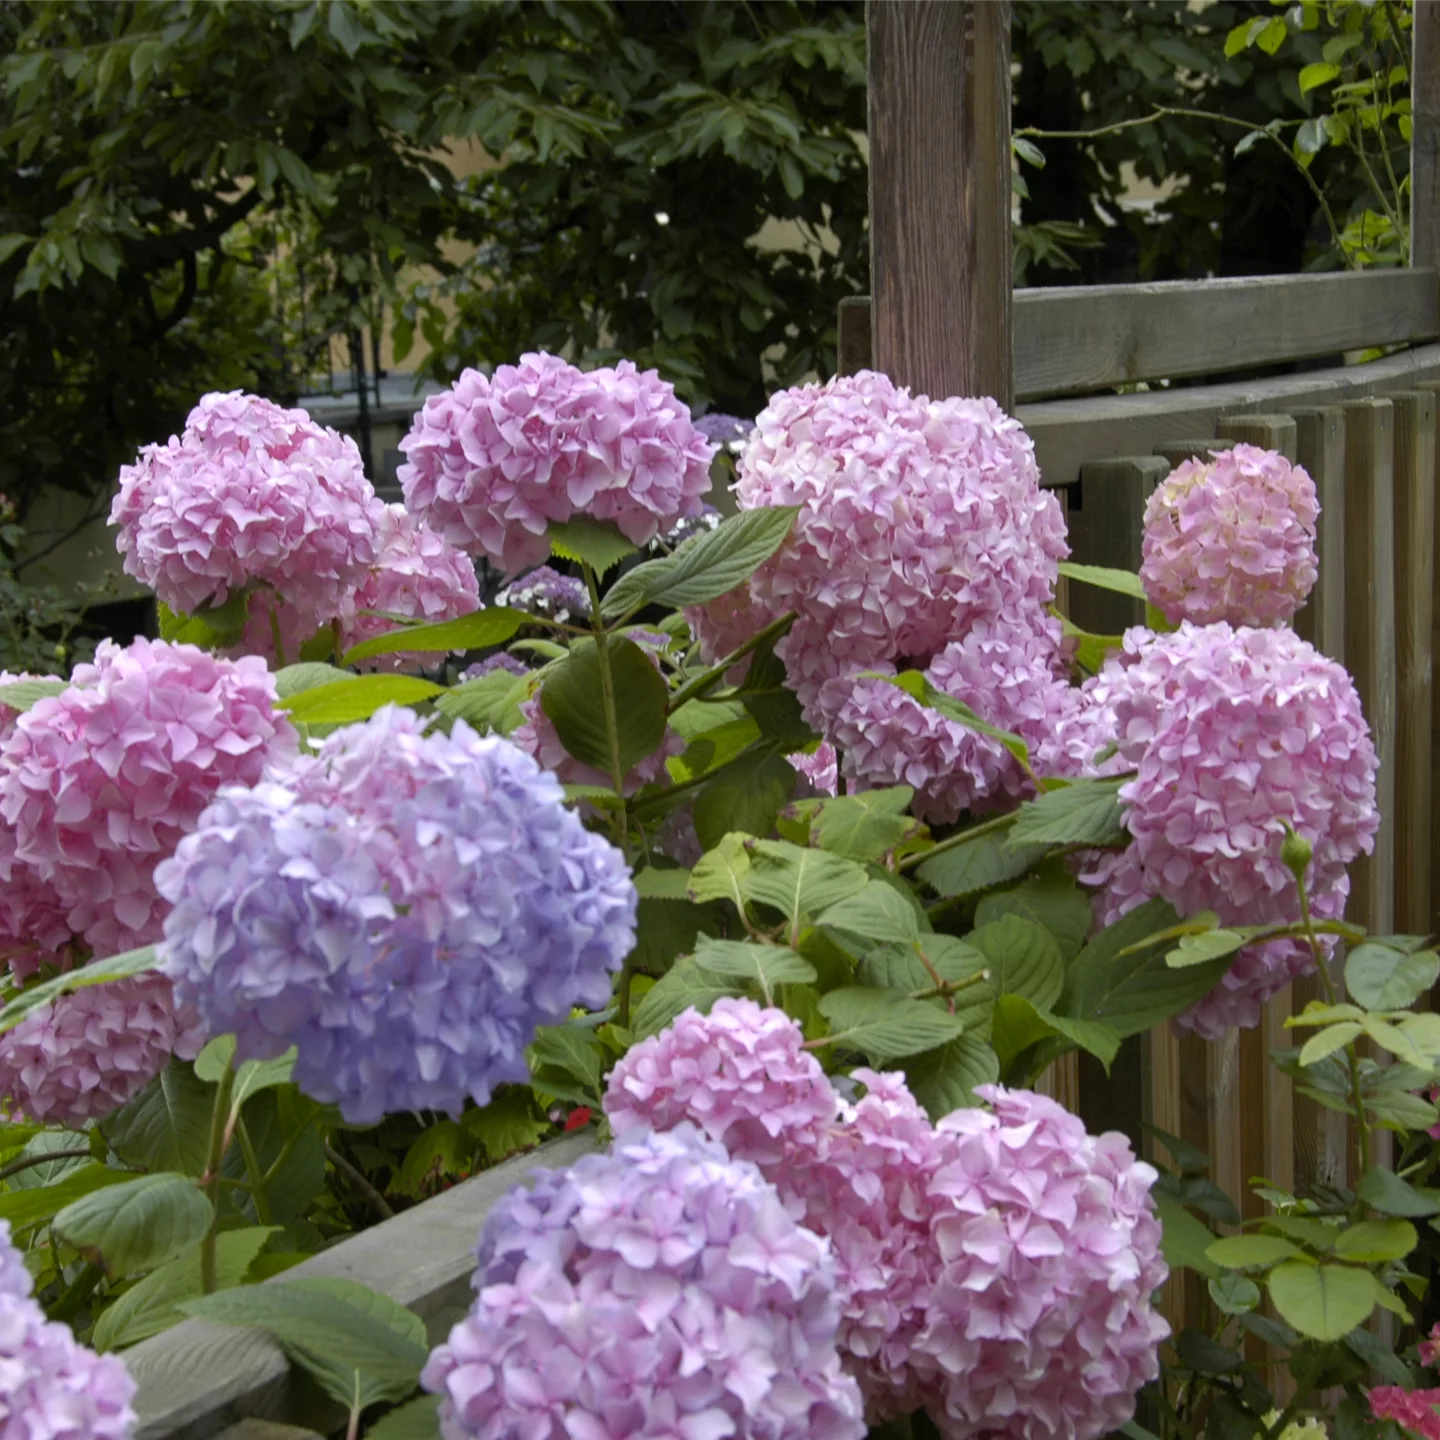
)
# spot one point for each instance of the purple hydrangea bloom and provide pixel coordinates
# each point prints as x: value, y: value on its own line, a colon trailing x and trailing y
x: 404, y: 907
x: 659, y: 1290
x: 548, y: 593
x: 52, y: 1388
x: 708, y: 519
x: 728, y: 430
x: 500, y: 660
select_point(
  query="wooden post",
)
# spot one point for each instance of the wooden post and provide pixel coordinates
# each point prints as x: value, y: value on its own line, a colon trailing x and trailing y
x: 853, y: 340
x: 940, y: 195
x: 1320, y: 449
x: 1370, y: 635
x: 1425, y: 137
x: 1176, y: 452
x: 1106, y: 529
x: 1414, y: 587
x: 1269, y: 432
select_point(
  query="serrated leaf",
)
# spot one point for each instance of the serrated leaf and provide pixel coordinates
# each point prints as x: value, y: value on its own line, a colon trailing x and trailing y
x: 357, y: 698
x: 764, y: 965
x: 97, y: 972
x: 361, y: 1347
x: 152, y: 1304
x: 508, y: 1124
x: 878, y: 912
x: 490, y: 703
x: 478, y: 630
x: 1381, y: 978
x: 1323, y: 1302
x: 1251, y: 1252
x: 59, y: 1143
x: 865, y: 826
x: 1184, y: 1240
x: 439, y: 1150
x: 21, y: 695
x: 654, y: 884
x: 884, y: 1025
x: 136, y: 1226
x: 1019, y: 1024
x: 1024, y: 959
x: 1104, y: 577
x: 918, y: 687
x: 166, y: 1126
x: 212, y: 628
x: 705, y: 566
x: 1328, y: 1041
x: 1087, y: 812
x: 720, y: 873
x: 1056, y: 905
x: 572, y: 1050
x: 911, y: 969
x: 571, y: 699
x: 683, y: 986
x: 944, y: 1079
x: 977, y: 865
x: 744, y: 795
x: 419, y: 1420
x: 294, y: 679
x: 24, y: 1208
x: 800, y: 882
x: 598, y: 543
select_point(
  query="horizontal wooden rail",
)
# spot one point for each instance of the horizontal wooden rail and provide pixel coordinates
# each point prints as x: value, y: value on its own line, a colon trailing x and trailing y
x: 198, y: 1379
x: 1074, y: 339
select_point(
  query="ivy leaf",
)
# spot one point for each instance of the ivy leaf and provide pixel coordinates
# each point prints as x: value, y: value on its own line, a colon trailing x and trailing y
x: 1085, y: 812
x: 884, y: 1025
x: 705, y: 566
x: 598, y: 543
x: 137, y: 1225
x: 361, y: 1347
x: 571, y: 699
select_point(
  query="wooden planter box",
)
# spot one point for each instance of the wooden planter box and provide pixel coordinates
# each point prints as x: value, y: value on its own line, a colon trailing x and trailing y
x: 197, y: 1381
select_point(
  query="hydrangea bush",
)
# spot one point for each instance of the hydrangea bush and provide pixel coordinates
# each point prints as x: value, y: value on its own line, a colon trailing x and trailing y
x: 789, y: 850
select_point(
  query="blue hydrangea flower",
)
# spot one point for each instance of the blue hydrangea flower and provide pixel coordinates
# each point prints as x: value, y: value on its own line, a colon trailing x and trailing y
x: 406, y: 908
x: 545, y: 591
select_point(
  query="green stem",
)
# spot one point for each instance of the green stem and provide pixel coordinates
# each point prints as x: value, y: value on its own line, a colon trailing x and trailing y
x: 252, y: 1167
x: 962, y: 837
x: 381, y: 1204
x: 707, y: 679
x: 1352, y: 1055
x: 275, y: 635
x: 76, y: 1294
x: 29, y: 1160
x: 336, y: 642
x: 210, y: 1180
x: 607, y: 689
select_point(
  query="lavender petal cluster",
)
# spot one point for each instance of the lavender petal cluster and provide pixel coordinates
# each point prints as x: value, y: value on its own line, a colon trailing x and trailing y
x: 1231, y: 539
x: 493, y: 461
x: 1233, y: 734
x: 660, y: 1290
x: 728, y: 431
x: 500, y: 660
x: 544, y: 591
x: 249, y: 494
x: 52, y: 1388
x: 404, y: 906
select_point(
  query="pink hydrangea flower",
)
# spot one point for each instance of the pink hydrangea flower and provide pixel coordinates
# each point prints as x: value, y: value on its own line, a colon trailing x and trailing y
x: 660, y: 1290
x: 1040, y: 1322
x: 100, y: 782
x: 1414, y: 1409
x: 52, y: 1388
x: 92, y: 1051
x: 1011, y: 673
x: 1430, y: 1346
x: 1234, y: 734
x: 818, y: 769
x: 417, y: 574
x: 492, y: 463
x: 918, y: 519
x: 249, y: 494
x: 740, y: 1073
x: 1231, y: 538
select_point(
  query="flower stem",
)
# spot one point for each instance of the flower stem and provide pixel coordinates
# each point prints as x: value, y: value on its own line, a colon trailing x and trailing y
x: 707, y: 679
x: 382, y: 1205
x: 975, y: 832
x: 210, y: 1180
x: 276, y: 636
x: 42, y: 1159
x: 607, y: 694
x: 258, y: 1192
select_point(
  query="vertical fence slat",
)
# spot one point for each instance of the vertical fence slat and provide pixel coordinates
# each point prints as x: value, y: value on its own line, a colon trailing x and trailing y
x: 1414, y: 593
x: 1105, y: 529
x: 1269, y: 432
x: 1320, y: 449
x: 1370, y: 634
x: 1175, y: 452
x: 853, y: 341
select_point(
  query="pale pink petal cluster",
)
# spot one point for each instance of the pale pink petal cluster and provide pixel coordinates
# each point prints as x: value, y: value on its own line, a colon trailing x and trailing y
x: 99, y: 783
x: 918, y: 519
x: 92, y: 1051
x: 1040, y: 1321
x: 249, y: 494
x: 52, y: 1388
x: 996, y: 1256
x: 660, y: 1290
x: 1012, y: 675
x: 1231, y: 538
x: 818, y: 769
x: 492, y: 462
x: 417, y: 575
x: 1235, y: 733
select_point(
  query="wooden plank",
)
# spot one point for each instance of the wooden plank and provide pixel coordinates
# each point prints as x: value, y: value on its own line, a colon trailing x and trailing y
x: 854, y: 345
x: 1425, y: 136
x: 1176, y: 452
x: 1069, y: 433
x: 1370, y: 634
x: 1414, y: 615
x: 197, y: 1379
x: 939, y: 91
x: 1074, y: 339
x: 1106, y: 514
x: 1269, y: 432
x: 1320, y: 450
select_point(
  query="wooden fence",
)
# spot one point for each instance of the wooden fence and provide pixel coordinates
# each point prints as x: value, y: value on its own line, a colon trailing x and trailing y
x: 1366, y: 434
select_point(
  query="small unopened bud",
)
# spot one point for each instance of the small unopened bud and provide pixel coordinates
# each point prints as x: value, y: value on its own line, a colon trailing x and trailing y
x: 1295, y: 853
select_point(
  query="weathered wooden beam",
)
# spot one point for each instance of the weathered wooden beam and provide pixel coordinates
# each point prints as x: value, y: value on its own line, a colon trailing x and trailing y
x: 198, y: 1379
x: 1072, y: 339
x: 939, y: 90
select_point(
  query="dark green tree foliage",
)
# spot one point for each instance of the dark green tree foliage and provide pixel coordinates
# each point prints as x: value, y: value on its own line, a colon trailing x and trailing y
x: 636, y: 234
